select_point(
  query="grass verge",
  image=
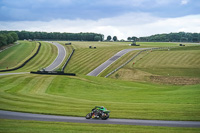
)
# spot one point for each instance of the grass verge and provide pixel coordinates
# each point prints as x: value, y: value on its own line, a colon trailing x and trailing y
x: 17, y: 54
x: 47, y: 54
x: 19, y: 126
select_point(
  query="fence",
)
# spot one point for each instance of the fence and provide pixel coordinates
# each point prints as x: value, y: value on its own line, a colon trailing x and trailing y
x: 53, y: 73
x: 73, y: 50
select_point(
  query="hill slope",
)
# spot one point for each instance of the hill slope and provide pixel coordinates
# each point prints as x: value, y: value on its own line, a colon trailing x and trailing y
x: 179, y: 62
x: 15, y: 55
x: 75, y: 96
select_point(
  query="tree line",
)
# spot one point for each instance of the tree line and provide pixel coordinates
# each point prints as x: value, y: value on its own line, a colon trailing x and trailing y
x: 171, y: 37
x: 8, y: 38
x: 58, y: 36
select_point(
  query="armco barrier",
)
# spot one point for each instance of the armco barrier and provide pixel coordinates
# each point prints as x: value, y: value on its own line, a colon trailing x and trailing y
x: 53, y: 73
x: 124, y: 64
x: 24, y: 62
x: 68, y: 60
x: 134, y: 57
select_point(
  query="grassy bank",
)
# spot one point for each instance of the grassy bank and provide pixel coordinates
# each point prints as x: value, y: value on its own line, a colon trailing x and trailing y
x: 19, y: 126
x: 44, y: 58
x: 86, y: 59
x: 14, y: 56
x: 177, y: 66
x: 173, y: 63
x: 75, y: 96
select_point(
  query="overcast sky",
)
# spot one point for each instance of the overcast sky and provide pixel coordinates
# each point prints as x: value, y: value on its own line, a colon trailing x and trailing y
x: 122, y: 18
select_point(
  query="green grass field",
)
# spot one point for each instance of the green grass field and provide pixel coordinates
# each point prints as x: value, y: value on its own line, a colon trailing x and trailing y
x: 19, y: 126
x: 15, y: 55
x: 181, y: 63
x: 164, y: 44
x: 76, y: 96
x: 44, y: 58
x: 85, y: 60
x: 82, y: 44
x: 174, y: 63
x: 118, y: 63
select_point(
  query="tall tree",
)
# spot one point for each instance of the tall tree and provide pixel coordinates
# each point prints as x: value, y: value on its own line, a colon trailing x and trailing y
x: 109, y: 38
x: 134, y: 38
x: 115, y: 38
x: 14, y: 36
x: 129, y: 38
x: 3, y: 40
x: 195, y: 37
x: 9, y: 39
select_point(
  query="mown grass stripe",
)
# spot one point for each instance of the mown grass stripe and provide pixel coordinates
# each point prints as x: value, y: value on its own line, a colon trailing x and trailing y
x: 12, y: 83
x: 42, y: 59
x: 86, y: 60
x: 20, y: 86
x: 45, y: 57
x: 43, y: 49
x: 118, y: 63
x: 16, y: 55
x: 65, y: 95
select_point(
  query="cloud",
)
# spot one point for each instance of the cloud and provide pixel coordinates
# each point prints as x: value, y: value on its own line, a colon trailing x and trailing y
x: 136, y: 3
x: 130, y: 24
x: 48, y: 10
x: 184, y: 2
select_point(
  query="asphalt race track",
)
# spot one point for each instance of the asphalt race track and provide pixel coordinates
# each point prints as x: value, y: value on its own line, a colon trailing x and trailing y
x: 107, y: 63
x: 41, y: 117
x: 1, y: 74
x: 59, y: 59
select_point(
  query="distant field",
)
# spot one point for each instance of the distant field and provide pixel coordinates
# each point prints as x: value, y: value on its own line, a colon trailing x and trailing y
x: 85, y: 60
x: 75, y: 96
x: 83, y: 44
x: 177, y: 62
x: 163, y: 44
x: 63, y: 127
x: 173, y: 63
x: 118, y: 63
x: 15, y: 55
